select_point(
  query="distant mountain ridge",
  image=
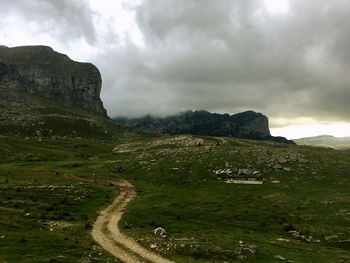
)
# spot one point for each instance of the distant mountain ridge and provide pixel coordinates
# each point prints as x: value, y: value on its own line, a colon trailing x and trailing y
x: 247, y: 125
x: 41, y: 71
x: 339, y: 143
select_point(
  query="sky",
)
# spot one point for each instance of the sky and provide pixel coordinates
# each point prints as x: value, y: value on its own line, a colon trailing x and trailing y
x: 287, y: 59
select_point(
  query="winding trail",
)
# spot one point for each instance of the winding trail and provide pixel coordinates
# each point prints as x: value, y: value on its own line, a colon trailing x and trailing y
x: 107, y: 233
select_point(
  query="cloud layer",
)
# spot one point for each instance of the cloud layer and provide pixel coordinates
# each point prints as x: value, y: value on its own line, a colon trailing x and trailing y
x: 64, y: 19
x: 163, y: 56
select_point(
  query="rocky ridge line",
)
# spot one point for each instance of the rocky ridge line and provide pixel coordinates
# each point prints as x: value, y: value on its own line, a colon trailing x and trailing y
x: 245, y: 125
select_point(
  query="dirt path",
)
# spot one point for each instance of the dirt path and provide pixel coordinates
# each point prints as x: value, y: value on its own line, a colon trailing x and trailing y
x: 107, y: 233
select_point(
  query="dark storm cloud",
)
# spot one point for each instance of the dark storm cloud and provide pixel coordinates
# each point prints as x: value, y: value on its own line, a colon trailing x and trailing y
x: 64, y: 19
x: 223, y: 56
x: 233, y: 55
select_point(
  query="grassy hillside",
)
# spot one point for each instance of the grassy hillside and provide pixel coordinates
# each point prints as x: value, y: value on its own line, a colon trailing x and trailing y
x: 339, y: 143
x: 305, y: 190
x: 301, y: 213
x: 46, y: 214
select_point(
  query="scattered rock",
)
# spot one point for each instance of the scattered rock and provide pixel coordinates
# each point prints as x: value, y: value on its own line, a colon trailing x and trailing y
x: 299, y: 236
x: 283, y: 239
x: 160, y: 232
x: 278, y: 257
x: 153, y: 246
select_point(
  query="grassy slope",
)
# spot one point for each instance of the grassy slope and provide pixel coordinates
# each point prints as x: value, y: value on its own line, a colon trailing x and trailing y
x: 44, y: 215
x: 207, y: 220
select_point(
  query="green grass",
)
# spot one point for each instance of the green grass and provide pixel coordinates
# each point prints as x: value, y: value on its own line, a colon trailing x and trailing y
x: 207, y: 220
x: 46, y: 217
x: 213, y: 217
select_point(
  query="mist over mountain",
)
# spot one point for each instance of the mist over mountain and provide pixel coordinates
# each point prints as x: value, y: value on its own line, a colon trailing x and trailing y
x: 247, y: 125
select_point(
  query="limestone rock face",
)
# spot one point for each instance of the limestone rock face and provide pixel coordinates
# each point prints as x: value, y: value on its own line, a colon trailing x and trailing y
x: 251, y: 124
x: 41, y: 71
x: 247, y: 125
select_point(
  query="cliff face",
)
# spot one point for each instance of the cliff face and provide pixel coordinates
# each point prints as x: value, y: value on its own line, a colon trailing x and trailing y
x: 41, y: 71
x: 251, y: 124
x: 247, y: 125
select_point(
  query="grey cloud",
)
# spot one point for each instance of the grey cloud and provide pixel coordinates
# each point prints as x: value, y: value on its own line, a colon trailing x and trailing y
x: 64, y: 19
x: 229, y: 56
x: 222, y: 56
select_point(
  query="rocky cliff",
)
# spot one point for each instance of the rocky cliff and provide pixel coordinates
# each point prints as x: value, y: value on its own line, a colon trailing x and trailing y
x: 247, y: 125
x: 41, y: 71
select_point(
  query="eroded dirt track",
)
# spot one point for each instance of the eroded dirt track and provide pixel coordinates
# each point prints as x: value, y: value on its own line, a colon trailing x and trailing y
x: 107, y: 233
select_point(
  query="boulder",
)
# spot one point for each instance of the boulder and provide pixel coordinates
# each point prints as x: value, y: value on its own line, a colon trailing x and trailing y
x: 159, y: 231
x: 280, y: 258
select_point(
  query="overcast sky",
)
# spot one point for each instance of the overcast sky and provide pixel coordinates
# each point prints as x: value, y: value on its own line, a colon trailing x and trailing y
x: 287, y: 59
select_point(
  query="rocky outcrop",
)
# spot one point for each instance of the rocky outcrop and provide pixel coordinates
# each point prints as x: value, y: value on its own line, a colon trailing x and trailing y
x: 41, y: 71
x: 247, y: 125
x: 251, y: 124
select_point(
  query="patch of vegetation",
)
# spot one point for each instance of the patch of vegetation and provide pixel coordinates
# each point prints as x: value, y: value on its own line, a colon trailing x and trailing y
x: 300, y: 212
x: 185, y: 184
x: 46, y: 217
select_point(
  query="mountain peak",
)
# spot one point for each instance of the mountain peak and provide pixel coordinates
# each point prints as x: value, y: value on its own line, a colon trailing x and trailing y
x: 42, y: 71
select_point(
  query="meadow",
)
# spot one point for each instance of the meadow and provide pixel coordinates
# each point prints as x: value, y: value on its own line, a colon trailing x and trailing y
x: 300, y: 213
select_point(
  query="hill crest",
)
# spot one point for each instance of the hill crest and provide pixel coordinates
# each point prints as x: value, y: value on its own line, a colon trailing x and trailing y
x: 338, y: 143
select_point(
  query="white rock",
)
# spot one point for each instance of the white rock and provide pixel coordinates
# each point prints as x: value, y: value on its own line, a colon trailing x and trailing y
x: 280, y: 258
x: 159, y: 231
x: 153, y: 246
